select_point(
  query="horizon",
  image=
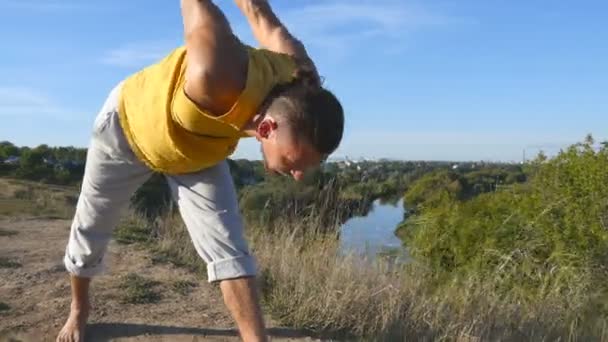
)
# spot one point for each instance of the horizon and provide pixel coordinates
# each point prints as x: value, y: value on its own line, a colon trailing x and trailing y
x: 342, y: 158
x: 451, y: 81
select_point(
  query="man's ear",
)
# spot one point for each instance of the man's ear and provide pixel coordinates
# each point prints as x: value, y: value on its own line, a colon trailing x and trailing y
x: 266, y: 127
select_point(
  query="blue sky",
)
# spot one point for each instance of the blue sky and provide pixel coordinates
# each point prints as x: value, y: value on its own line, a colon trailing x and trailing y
x: 458, y: 80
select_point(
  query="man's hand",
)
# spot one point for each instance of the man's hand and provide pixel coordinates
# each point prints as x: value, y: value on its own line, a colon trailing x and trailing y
x: 272, y: 34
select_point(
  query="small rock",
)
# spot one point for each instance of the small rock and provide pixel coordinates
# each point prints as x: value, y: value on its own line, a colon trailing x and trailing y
x: 57, y: 268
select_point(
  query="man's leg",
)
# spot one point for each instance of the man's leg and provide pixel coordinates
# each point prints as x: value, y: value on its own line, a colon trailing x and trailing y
x: 241, y: 298
x: 112, y: 174
x: 208, y: 204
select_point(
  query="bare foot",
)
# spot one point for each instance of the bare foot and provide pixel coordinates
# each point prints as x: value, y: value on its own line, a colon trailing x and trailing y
x: 73, y: 330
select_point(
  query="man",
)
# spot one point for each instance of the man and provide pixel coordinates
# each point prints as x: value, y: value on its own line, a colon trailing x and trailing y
x: 183, y: 117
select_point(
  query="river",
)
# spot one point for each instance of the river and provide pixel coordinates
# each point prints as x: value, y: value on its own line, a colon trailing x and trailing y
x: 368, y: 235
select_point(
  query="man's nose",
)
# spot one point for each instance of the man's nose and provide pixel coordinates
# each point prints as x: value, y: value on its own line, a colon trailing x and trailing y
x: 297, y: 175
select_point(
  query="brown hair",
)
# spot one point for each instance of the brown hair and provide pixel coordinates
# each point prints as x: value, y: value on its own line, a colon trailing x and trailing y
x: 313, y: 112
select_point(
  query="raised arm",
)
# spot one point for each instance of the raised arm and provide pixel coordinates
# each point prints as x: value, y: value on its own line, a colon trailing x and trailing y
x: 216, y: 60
x: 270, y: 32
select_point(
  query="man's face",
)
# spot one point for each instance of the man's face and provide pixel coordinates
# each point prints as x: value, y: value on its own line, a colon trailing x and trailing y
x: 284, y: 154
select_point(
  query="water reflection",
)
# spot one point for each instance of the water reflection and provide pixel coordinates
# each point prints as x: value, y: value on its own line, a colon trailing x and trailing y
x: 374, y: 233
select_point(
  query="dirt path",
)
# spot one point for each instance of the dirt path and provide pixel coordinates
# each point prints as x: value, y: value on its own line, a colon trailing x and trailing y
x: 35, y: 293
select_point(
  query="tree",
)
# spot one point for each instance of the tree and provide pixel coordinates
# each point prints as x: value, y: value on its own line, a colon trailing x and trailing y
x: 7, y: 149
x: 33, y: 167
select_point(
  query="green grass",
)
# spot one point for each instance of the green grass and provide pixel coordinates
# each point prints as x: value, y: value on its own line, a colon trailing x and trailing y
x: 138, y: 290
x: 8, y: 263
x: 4, y: 307
x: 132, y: 231
x: 183, y: 287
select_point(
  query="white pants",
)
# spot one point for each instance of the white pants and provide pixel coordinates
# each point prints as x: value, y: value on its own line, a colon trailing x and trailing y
x: 207, y: 201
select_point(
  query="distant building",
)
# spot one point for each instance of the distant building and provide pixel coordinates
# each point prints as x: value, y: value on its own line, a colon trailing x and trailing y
x: 12, y: 160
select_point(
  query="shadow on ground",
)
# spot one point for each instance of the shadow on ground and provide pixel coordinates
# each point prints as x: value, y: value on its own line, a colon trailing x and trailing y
x: 107, y: 331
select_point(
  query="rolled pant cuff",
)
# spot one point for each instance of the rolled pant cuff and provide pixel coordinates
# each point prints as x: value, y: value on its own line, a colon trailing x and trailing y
x: 80, y: 271
x: 242, y: 266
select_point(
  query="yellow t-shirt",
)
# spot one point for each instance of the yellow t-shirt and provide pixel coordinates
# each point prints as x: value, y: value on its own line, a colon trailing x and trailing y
x: 170, y: 134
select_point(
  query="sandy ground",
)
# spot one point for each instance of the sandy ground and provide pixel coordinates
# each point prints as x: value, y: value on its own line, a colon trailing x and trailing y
x: 38, y: 294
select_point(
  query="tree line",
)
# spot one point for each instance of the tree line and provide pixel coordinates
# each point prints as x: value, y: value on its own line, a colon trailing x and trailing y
x: 55, y: 165
x: 334, y: 192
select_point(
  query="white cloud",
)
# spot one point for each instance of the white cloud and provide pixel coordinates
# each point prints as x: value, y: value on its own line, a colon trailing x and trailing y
x: 335, y: 29
x: 341, y: 25
x: 28, y: 102
x: 389, y: 17
x: 137, y: 54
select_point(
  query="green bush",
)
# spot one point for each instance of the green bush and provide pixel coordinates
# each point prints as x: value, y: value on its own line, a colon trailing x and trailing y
x: 430, y: 189
x: 548, y: 236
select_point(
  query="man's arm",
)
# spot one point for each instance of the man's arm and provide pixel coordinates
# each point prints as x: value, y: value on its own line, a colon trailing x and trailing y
x: 271, y: 33
x: 217, y: 61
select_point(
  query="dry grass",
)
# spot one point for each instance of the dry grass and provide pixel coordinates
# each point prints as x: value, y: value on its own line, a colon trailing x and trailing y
x: 173, y: 245
x: 30, y: 199
x: 306, y: 284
